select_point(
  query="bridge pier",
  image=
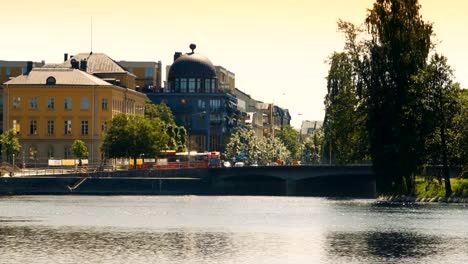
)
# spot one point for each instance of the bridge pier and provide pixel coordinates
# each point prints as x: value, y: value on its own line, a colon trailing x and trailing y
x: 290, y: 187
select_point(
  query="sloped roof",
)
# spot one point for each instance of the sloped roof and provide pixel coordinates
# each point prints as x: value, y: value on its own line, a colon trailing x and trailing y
x: 97, y: 63
x: 63, y: 76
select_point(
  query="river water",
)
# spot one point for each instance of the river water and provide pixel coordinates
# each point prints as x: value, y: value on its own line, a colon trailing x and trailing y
x: 224, y: 229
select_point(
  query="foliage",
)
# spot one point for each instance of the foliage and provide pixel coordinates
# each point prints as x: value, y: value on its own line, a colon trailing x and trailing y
x: 441, y: 107
x: 79, y: 149
x: 161, y: 111
x: 10, y: 143
x: 133, y: 135
x: 460, y: 136
x: 313, y: 147
x: 177, y: 135
x: 345, y: 122
x: 398, y: 50
x: 433, y: 188
x: 290, y: 138
x: 245, y: 145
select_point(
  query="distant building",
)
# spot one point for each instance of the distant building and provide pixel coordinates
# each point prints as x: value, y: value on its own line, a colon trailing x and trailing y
x: 193, y: 93
x: 308, y: 127
x: 252, y: 114
x: 148, y: 74
x: 52, y: 106
x: 226, y: 80
x: 11, y: 69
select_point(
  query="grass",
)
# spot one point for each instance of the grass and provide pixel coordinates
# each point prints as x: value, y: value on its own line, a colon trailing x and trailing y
x: 432, y: 188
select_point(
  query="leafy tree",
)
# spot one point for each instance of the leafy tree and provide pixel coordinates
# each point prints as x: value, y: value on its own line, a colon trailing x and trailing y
x: 244, y: 143
x: 80, y: 150
x: 344, y: 126
x: 276, y: 151
x: 177, y: 135
x: 313, y: 147
x: 442, y: 106
x: 460, y: 136
x: 161, y: 111
x: 133, y: 135
x: 290, y: 138
x: 10, y: 143
x: 399, y: 47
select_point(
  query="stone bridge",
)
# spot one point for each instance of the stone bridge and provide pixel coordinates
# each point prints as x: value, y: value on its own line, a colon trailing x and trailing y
x: 319, y: 180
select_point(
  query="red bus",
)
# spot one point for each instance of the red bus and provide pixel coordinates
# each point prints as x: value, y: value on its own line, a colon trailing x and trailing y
x: 171, y: 159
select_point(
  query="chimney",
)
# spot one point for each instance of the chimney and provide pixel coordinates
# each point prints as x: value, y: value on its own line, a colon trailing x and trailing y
x: 65, y: 56
x: 83, y: 65
x: 75, y: 64
x: 177, y: 55
x: 29, y: 66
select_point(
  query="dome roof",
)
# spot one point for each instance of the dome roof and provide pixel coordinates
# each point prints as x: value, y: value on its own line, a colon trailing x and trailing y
x: 192, y: 65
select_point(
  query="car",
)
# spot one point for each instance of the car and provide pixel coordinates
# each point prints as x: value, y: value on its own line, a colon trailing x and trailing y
x: 239, y: 164
x: 227, y: 164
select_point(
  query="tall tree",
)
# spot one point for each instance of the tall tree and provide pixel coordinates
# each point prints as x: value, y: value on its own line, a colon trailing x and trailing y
x: 161, y: 111
x: 344, y: 124
x: 399, y: 47
x: 313, y: 147
x: 442, y: 106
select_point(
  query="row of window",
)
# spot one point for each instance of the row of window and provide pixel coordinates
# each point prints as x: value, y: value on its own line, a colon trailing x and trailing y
x: 215, y: 105
x: 67, y: 151
x: 193, y: 85
x: 67, y: 127
x: 149, y: 72
x: 67, y: 103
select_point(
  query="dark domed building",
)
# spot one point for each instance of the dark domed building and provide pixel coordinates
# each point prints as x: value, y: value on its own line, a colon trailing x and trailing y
x: 192, y: 92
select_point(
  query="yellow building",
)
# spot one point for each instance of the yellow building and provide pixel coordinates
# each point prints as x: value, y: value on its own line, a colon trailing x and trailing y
x: 148, y: 74
x: 51, y: 107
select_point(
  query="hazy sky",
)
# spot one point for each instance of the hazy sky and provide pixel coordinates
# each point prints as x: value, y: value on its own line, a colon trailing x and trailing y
x: 276, y: 48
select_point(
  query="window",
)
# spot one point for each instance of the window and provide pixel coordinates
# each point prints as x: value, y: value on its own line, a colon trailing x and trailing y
x: 215, y: 105
x: 50, y: 127
x: 33, y: 103
x: 67, y: 127
x: 84, y: 127
x: 104, y: 127
x: 191, y: 85
x: 16, y: 126
x: 51, y: 81
x: 67, y: 152
x: 8, y: 72
x: 198, y: 85
x: 207, y: 86
x: 201, y: 104
x: 130, y: 70
x: 33, y: 127
x: 24, y: 70
x: 177, y: 85
x: 149, y: 72
x: 50, y: 103
x: 105, y: 104
x: 50, y: 151
x: 84, y: 103
x: 68, y: 103
x: 213, y: 85
x: 16, y: 102
x: 183, y: 85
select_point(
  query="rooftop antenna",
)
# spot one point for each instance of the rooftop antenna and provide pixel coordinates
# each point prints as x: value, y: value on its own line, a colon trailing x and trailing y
x: 91, y: 35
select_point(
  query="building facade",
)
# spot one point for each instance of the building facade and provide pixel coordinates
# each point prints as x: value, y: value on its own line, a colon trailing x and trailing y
x: 192, y: 92
x: 49, y: 108
x: 148, y: 74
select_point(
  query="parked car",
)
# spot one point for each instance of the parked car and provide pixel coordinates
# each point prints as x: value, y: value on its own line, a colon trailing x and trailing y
x: 227, y: 164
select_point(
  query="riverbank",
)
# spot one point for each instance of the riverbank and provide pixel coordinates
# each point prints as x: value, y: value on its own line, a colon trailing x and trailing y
x: 432, y: 191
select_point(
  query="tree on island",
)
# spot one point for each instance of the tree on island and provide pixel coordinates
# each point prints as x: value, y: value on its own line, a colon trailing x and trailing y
x: 442, y: 107
x: 399, y: 47
x: 10, y: 144
x: 80, y: 150
x: 133, y: 136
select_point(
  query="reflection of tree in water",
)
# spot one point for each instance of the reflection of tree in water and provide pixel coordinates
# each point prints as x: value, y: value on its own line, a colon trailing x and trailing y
x: 89, y: 245
x: 382, y: 245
